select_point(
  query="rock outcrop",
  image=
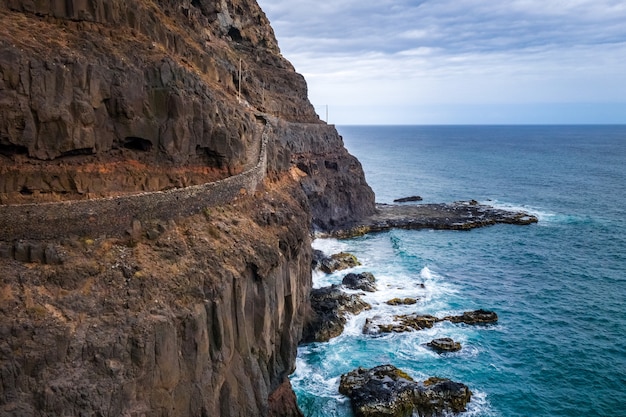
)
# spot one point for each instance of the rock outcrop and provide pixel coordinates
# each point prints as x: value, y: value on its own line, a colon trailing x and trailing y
x: 329, y: 313
x: 193, y: 312
x: 335, y: 262
x: 388, y: 391
x: 460, y: 215
x: 107, y: 98
x: 444, y: 344
x: 195, y: 317
x: 364, y: 281
x: 410, y: 322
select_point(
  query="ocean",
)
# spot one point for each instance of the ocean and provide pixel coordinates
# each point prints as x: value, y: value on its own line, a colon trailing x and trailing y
x: 558, y: 287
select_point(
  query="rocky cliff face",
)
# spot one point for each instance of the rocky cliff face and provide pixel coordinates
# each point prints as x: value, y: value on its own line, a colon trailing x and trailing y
x: 108, y: 97
x: 200, y: 319
x: 196, y: 316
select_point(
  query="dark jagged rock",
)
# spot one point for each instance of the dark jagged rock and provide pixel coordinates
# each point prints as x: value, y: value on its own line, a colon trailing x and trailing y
x: 330, y: 307
x: 474, y: 317
x: 364, y: 281
x: 444, y: 344
x: 316, y: 259
x: 464, y: 215
x: 410, y: 322
x: 399, y: 324
x: 338, y: 262
x: 408, y: 199
x: 387, y: 391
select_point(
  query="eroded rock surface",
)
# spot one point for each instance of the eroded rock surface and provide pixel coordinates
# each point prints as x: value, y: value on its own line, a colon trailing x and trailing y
x: 387, y: 391
x: 444, y: 344
x: 193, y: 315
x: 463, y: 215
x: 364, y: 281
x: 474, y: 317
x: 411, y: 322
x: 198, y: 316
x: 330, y: 307
x: 336, y: 262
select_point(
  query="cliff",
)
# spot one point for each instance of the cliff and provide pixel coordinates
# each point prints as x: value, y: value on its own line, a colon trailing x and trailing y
x: 130, y: 286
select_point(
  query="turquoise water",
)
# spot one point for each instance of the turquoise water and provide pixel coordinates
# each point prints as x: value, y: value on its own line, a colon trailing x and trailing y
x: 559, y: 287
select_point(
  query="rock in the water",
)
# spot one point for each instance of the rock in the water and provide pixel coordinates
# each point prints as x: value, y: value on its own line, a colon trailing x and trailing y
x: 316, y: 259
x: 330, y: 307
x: 444, y: 344
x: 402, y: 301
x: 404, y: 323
x: 365, y: 281
x: 387, y: 391
x: 474, y: 317
x: 338, y: 262
x: 460, y: 215
x: 408, y: 199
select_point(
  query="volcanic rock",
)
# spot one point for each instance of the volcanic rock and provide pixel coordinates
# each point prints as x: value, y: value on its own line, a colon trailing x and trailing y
x: 410, y: 322
x: 330, y: 307
x: 364, y: 281
x: 474, y: 317
x: 463, y: 215
x: 119, y: 98
x: 399, y: 324
x: 408, y: 199
x: 338, y: 262
x: 387, y: 391
x: 444, y: 344
x: 402, y: 301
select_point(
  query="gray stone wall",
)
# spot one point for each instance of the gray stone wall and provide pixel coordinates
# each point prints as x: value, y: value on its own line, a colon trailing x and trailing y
x: 115, y: 216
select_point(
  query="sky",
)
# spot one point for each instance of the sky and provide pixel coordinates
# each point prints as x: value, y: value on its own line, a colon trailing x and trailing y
x: 458, y: 61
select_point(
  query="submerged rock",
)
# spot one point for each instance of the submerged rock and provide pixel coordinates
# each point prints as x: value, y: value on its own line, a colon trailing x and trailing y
x: 330, y: 306
x: 365, y: 281
x: 444, y: 344
x: 388, y: 391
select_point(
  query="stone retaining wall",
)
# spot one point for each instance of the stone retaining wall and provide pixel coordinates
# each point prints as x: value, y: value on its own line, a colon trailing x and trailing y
x: 115, y: 216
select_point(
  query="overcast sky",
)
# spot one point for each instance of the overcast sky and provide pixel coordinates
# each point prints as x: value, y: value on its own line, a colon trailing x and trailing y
x: 458, y: 61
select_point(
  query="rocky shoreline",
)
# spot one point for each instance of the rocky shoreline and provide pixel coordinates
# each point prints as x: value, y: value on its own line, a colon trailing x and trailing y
x: 385, y: 390
x: 460, y: 215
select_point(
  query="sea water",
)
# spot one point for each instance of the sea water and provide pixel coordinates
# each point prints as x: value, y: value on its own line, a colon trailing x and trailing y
x: 558, y: 287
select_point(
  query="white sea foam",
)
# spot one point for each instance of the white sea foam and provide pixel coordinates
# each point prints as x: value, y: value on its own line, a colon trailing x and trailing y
x: 541, y: 214
x: 330, y: 246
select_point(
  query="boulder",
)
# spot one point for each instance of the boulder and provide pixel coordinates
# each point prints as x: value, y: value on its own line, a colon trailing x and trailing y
x: 388, y: 391
x: 338, y: 261
x: 402, y: 301
x: 474, y: 317
x: 444, y: 344
x: 330, y: 307
x: 403, y: 323
x: 365, y: 281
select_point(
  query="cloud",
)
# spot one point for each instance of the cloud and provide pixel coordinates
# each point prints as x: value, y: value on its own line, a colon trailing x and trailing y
x: 455, y: 51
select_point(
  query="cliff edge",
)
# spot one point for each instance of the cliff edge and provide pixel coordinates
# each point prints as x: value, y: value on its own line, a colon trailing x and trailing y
x: 164, y: 309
